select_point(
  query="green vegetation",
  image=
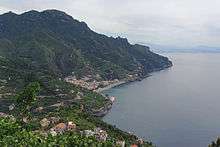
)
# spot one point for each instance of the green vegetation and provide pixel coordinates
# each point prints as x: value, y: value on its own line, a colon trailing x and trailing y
x: 55, y: 43
x: 37, y: 51
x: 12, y: 134
x: 27, y: 98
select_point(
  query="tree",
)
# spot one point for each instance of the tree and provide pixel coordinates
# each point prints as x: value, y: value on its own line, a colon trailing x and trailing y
x: 26, y: 98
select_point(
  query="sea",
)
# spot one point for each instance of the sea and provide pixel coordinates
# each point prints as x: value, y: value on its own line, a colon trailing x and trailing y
x: 175, y: 107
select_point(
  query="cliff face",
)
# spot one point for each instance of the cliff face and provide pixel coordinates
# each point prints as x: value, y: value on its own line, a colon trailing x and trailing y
x: 53, y: 42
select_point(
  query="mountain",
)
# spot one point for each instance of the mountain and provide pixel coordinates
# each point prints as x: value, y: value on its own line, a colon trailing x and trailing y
x: 38, y: 51
x: 52, y: 41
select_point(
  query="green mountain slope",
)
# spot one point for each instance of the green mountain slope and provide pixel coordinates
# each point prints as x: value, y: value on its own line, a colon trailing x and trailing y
x: 46, y: 47
x: 53, y: 41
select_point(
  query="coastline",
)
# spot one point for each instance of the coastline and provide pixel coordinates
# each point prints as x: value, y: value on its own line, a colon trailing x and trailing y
x: 126, y: 81
x: 100, y: 90
x: 122, y: 82
x: 106, y: 108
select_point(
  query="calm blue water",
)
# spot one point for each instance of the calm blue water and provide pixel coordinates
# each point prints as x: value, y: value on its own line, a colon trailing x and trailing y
x: 177, y: 107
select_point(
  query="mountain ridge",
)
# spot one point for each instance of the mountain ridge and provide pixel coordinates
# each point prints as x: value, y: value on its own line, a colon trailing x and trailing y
x: 43, y: 50
x: 54, y: 32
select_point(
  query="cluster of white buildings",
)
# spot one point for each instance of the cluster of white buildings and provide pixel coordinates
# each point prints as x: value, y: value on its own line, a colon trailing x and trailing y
x: 89, y: 83
x: 98, y: 133
x: 62, y: 127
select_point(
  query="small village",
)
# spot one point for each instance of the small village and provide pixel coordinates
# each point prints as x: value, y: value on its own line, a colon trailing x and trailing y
x: 95, y: 84
x: 89, y: 82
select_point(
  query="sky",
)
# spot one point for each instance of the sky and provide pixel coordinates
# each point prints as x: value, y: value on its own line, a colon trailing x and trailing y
x: 166, y: 23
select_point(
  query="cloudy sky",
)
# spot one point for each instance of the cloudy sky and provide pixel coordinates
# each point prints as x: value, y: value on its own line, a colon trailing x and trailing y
x: 176, y: 23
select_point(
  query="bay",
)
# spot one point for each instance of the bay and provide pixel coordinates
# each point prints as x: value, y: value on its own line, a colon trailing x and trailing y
x: 176, y: 107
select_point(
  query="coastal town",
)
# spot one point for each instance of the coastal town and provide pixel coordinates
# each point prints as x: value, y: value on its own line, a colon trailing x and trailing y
x: 88, y: 82
x: 95, y: 84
